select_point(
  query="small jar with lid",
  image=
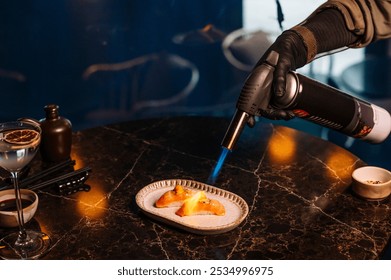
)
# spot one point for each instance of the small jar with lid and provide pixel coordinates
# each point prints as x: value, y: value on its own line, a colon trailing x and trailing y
x: 56, y: 138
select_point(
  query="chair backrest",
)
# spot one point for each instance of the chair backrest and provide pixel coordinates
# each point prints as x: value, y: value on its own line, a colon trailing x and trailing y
x: 243, y: 48
x: 148, y: 82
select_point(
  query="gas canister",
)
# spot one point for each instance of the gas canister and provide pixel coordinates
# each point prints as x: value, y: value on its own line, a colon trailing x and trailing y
x: 332, y: 108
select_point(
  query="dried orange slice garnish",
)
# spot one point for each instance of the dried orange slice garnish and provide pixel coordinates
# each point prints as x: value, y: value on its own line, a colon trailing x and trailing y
x: 21, y: 136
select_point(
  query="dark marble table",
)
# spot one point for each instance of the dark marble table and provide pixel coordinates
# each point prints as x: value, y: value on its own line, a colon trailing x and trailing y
x: 297, y: 188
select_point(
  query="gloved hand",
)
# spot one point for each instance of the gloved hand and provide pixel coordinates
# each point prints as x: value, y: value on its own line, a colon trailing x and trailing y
x: 298, y: 46
x: 292, y: 54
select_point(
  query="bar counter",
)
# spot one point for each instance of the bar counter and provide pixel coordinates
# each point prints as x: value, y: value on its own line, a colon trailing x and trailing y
x: 297, y: 187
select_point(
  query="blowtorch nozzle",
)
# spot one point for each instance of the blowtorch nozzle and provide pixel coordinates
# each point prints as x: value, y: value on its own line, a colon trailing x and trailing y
x: 235, y: 129
x: 254, y: 97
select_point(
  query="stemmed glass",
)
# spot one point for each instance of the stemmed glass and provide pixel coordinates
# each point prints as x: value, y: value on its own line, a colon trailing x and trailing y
x: 19, y: 142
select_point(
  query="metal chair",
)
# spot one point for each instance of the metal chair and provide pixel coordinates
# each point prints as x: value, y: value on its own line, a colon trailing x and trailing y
x: 145, y: 86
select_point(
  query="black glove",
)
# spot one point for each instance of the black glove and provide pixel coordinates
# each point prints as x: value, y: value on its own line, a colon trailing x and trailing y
x: 292, y: 54
x: 323, y: 32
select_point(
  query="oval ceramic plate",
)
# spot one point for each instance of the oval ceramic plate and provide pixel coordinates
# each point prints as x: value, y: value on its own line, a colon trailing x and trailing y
x: 236, y: 209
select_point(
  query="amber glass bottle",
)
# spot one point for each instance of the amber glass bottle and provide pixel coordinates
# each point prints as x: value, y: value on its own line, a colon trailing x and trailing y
x: 56, y: 139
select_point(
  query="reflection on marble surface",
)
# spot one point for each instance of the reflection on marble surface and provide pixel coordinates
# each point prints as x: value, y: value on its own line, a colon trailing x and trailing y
x: 297, y: 188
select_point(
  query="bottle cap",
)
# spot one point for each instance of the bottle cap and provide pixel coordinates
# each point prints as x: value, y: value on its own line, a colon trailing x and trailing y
x: 51, y: 111
x: 382, y: 127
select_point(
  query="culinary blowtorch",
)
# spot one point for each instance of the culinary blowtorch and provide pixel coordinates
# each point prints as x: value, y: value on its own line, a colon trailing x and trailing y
x: 307, y: 99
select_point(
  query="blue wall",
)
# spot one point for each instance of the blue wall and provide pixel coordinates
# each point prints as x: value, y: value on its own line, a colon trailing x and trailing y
x: 46, y: 45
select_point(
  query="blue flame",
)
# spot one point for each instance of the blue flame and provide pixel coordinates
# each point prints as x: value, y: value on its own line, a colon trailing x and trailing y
x: 213, y: 177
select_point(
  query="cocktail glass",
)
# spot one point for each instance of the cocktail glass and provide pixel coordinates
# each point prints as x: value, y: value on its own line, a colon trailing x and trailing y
x: 19, y: 142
